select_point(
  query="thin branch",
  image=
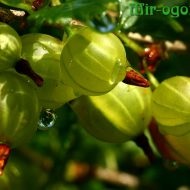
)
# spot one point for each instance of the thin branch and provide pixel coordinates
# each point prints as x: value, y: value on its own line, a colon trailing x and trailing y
x: 176, y: 45
x: 116, y: 177
x: 77, y: 172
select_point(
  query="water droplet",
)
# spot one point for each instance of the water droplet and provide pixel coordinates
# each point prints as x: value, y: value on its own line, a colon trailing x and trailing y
x: 171, y: 164
x: 69, y: 63
x: 118, y: 72
x: 47, y: 119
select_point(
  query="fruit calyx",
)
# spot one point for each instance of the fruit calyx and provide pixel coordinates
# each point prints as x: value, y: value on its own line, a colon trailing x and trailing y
x: 23, y: 67
x: 134, y: 78
x: 4, y: 155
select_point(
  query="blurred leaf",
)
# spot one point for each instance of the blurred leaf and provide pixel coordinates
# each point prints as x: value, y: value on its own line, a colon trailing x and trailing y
x: 23, y: 4
x: 43, y: 163
x: 18, y: 4
x: 127, y: 20
x: 83, y: 10
x: 160, y: 27
x: 171, y: 3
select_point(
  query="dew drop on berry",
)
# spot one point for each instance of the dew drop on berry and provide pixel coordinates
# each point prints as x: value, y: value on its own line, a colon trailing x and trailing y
x: 47, y: 119
x: 119, y: 70
x: 171, y: 164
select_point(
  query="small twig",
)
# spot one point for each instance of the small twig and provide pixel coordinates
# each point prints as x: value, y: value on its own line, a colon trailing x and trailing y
x: 138, y: 37
x: 6, y: 15
x: 177, y: 45
x: 82, y: 171
x: 153, y: 80
x: 117, y: 177
x: 14, y: 17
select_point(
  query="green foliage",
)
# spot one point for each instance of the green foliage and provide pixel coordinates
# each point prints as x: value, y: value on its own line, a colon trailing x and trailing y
x: 66, y: 157
x: 83, y: 10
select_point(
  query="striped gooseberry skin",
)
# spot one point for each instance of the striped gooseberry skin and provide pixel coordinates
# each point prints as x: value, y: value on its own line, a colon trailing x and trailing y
x: 171, y: 105
x: 38, y: 46
x: 93, y: 63
x: 19, y: 111
x: 117, y: 116
x: 178, y: 146
x: 10, y: 46
x: 171, y: 147
x: 43, y: 51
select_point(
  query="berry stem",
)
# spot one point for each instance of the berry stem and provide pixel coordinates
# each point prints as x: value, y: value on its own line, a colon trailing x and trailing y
x: 154, y: 82
x: 23, y: 67
x: 130, y: 43
x: 175, y: 25
x: 134, y: 77
x: 78, y: 172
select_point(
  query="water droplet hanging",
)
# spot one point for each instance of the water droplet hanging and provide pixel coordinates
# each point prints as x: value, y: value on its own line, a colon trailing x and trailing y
x: 171, y: 164
x: 47, y: 119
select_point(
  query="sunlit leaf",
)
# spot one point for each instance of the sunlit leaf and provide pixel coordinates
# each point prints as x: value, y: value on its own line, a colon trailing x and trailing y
x: 127, y: 20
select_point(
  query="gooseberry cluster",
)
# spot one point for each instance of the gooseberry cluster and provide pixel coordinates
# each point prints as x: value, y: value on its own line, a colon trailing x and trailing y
x: 39, y: 71
x: 170, y: 107
x: 21, y: 100
x: 88, y: 71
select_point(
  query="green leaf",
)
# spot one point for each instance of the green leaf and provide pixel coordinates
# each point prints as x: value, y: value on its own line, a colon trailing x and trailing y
x: 127, y: 20
x: 171, y: 3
